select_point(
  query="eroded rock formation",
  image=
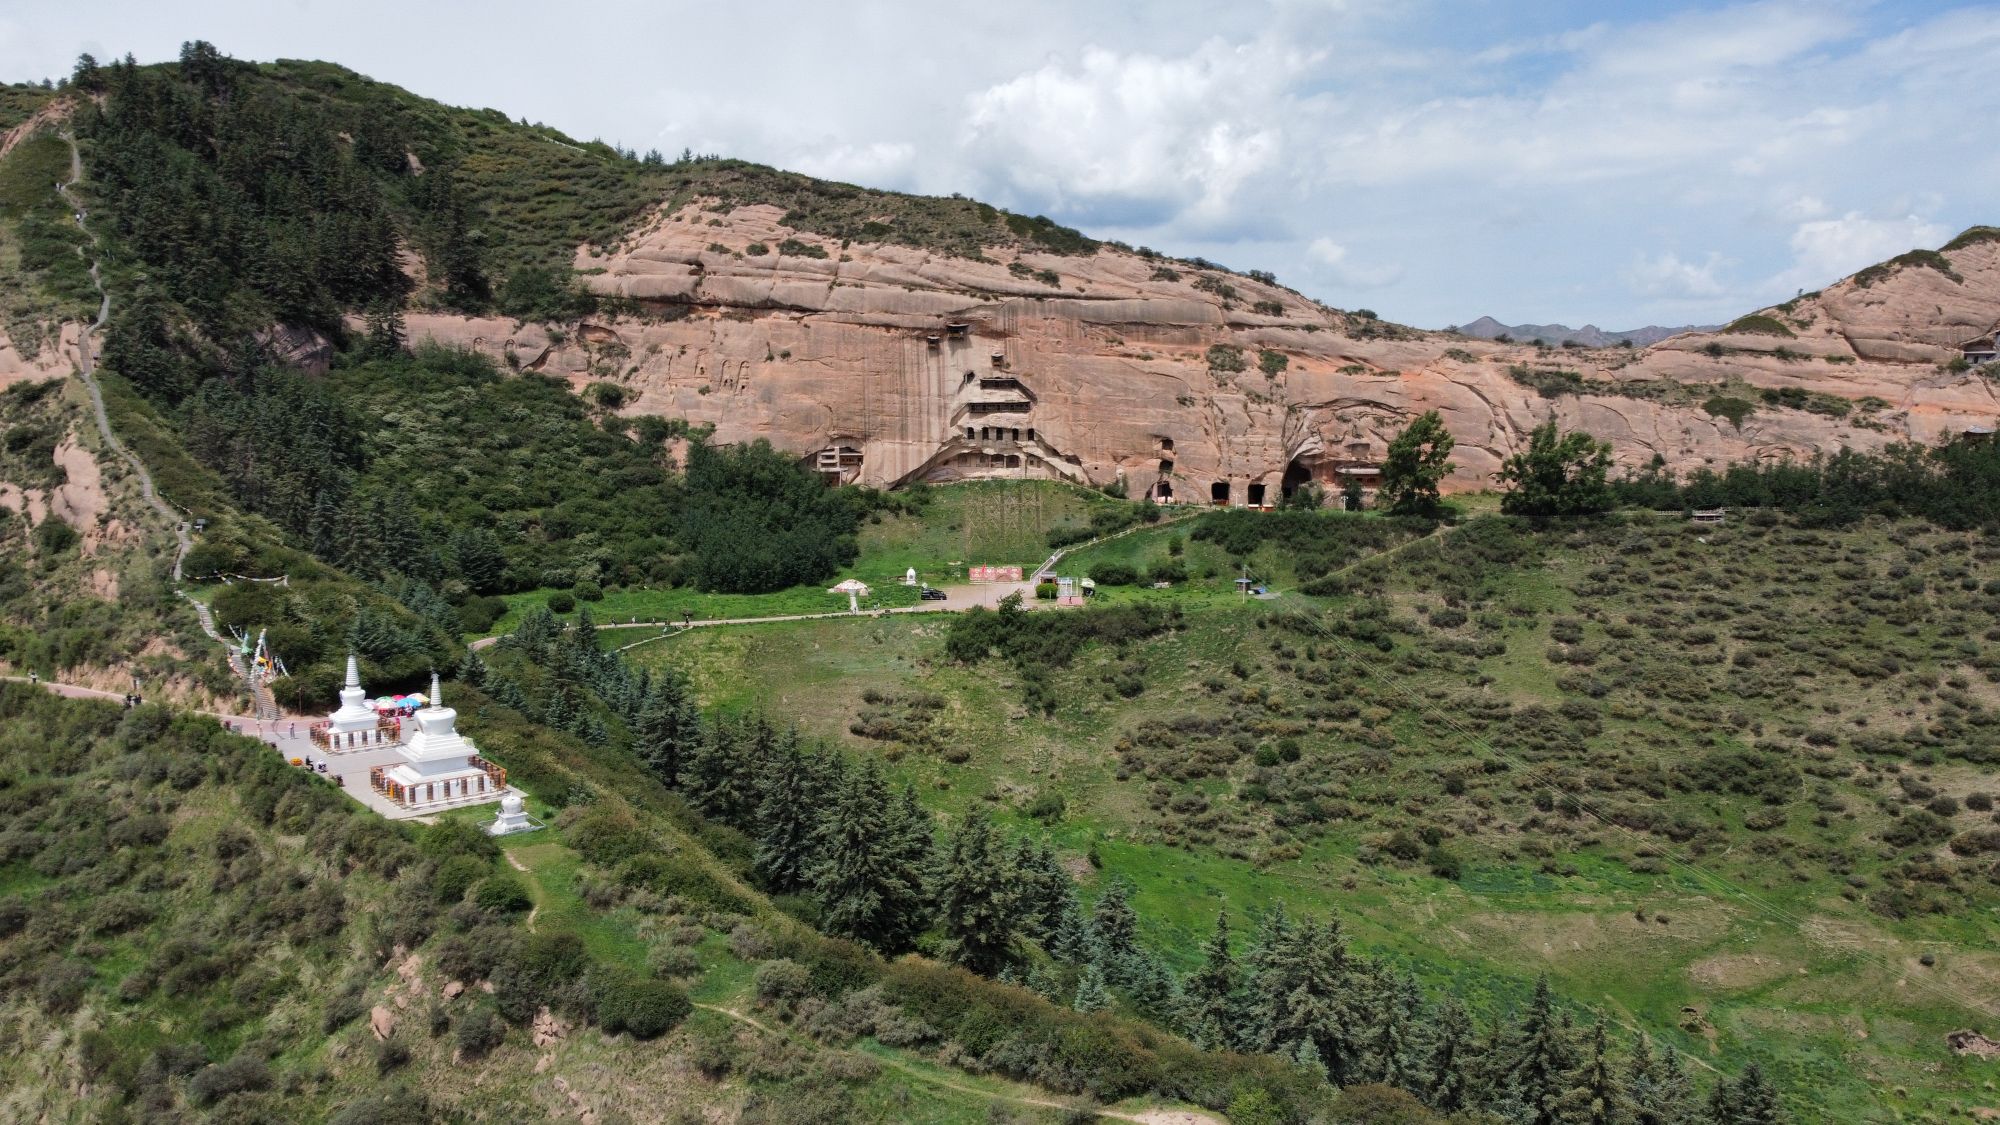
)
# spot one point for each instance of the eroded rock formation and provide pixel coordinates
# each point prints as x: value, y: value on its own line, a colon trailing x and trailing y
x: 887, y: 364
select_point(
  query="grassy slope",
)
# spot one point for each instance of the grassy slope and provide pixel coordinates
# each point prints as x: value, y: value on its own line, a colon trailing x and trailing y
x: 42, y: 280
x: 280, y: 984
x: 1825, y: 990
x: 991, y: 523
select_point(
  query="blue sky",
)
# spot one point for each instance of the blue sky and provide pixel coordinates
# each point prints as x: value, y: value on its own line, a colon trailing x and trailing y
x: 1614, y: 163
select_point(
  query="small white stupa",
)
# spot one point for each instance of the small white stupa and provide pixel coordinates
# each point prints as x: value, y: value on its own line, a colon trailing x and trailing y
x: 354, y: 713
x: 513, y: 818
x: 440, y: 765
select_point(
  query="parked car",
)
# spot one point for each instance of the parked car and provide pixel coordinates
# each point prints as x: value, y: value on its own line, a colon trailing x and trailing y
x: 931, y: 594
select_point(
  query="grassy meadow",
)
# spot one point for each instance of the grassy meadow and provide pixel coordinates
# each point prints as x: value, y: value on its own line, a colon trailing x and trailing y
x: 1731, y: 787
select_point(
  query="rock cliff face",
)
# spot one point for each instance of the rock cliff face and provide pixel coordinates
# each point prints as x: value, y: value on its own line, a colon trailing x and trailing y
x: 889, y: 364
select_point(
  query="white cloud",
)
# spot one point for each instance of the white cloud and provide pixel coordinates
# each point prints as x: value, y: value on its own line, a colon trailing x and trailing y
x: 1826, y: 250
x: 1125, y: 134
x: 881, y: 163
x: 1330, y: 262
x: 1671, y: 277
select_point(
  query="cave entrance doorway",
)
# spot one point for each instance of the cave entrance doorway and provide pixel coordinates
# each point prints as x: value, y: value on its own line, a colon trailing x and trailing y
x: 1218, y: 494
x: 1256, y: 496
x: 1163, y: 491
x: 1296, y: 476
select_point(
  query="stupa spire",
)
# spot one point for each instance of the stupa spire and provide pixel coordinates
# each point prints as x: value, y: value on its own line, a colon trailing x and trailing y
x: 353, y: 671
x: 436, y: 699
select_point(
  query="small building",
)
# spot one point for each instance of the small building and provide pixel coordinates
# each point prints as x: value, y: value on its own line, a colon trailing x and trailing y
x: 441, y: 768
x: 1985, y: 349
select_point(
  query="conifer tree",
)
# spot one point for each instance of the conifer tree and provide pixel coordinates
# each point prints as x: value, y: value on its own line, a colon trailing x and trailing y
x: 1072, y: 942
x: 1673, y: 1099
x: 867, y: 885
x: 979, y: 900
x: 1594, y: 1096
x: 719, y: 776
x: 1542, y: 1058
x: 1750, y: 1100
x: 1114, y: 928
x: 788, y: 819
x: 1395, y: 1053
x: 1214, y: 1009
x: 1091, y: 995
x: 1453, y: 1057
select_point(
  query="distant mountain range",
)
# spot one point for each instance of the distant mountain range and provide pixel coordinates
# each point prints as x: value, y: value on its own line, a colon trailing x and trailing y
x: 1590, y: 335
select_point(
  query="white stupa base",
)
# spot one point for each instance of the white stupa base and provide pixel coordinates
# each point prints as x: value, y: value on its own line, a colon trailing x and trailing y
x: 513, y: 818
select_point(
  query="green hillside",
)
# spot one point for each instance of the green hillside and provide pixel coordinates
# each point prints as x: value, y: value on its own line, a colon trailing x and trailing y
x: 1643, y: 757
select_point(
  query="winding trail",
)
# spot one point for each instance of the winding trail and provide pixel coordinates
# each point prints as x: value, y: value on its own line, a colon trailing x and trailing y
x: 86, y: 371
x: 262, y: 704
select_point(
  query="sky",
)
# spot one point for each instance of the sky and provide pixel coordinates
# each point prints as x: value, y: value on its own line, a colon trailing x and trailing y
x: 1607, y: 162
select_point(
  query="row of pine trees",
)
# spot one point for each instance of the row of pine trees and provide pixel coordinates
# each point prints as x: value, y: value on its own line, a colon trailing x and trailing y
x: 864, y: 860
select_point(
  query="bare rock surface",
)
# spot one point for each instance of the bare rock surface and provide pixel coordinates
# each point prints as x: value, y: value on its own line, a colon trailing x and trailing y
x: 1116, y: 365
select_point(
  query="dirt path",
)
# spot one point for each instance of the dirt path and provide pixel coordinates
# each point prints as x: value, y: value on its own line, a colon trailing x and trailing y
x: 1144, y: 1117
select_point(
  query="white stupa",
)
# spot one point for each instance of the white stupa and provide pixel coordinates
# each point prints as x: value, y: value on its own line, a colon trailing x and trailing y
x: 513, y: 818
x: 354, y: 713
x: 441, y: 766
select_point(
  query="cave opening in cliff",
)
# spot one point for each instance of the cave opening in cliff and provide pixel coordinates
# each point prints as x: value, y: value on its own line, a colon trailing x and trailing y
x: 1296, y: 476
x: 1218, y: 493
x: 1163, y: 491
x: 1256, y: 495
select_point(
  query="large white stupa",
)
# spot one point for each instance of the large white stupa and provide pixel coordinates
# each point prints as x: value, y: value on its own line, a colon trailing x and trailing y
x: 354, y: 713
x: 441, y: 766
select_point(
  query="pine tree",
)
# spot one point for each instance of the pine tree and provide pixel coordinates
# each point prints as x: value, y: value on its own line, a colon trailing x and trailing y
x: 1453, y: 1058
x: 1542, y: 1058
x: 472, y: 670
x: 1045, y: 888
x: 865, y: 881
x: 1214, y: 1009
x: 1594, y: 1096
x: 1090, y: 992
x: 1750, y: 1100
x: 1305, y: 992
x: 1674, y: 1095
x: 1395, y: 1051
x: 979, y: 900
x: 1114, y: 928
x: 668, y: 726
x: 787, y: 822
x: 720, y: 775
x: 1072, y: 942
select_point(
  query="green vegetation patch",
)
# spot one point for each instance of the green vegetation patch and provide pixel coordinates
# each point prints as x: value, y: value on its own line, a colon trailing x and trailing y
x: 1915, y: 259
x: 1757, y: 324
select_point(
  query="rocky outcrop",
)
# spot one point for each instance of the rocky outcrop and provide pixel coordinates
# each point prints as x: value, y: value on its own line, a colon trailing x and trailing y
x: 925, y: 366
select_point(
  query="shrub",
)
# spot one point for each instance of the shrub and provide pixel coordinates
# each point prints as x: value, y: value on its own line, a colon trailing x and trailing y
x: 1113, y: 574
x: 1225, y: 358
x: 1444, y: 864
x: 588, y: 591
x: 455, y: 876
x: 1272, y: 363
x: 561, y: 602
x: 640, y: 1007
x: 1734, y: 409
x: 781, y: 980
x: 241, y: 1073
x: 501, y: 894
x: 479, y: 1031
x: 756, y: 250
x: 1046, y: 591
